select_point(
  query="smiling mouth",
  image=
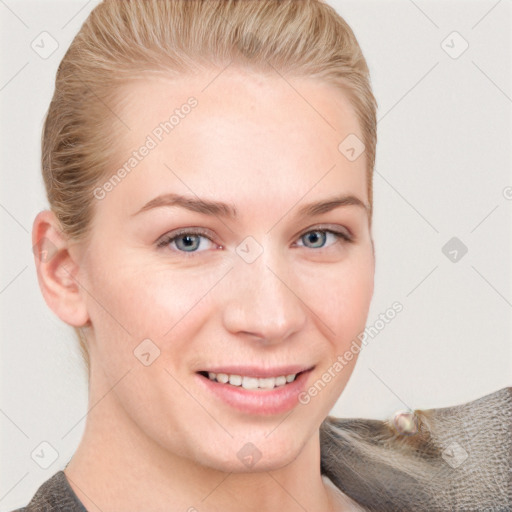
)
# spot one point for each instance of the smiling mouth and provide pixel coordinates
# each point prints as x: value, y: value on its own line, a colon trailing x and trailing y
x: 251, y: 383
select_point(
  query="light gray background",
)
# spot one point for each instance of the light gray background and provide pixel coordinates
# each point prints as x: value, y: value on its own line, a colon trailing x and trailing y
x: 443, y: 170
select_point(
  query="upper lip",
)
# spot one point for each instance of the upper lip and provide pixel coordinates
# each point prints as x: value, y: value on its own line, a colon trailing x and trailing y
x: 259, y: 371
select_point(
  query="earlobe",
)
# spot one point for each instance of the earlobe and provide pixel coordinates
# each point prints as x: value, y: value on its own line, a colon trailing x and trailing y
x: 57, y: 271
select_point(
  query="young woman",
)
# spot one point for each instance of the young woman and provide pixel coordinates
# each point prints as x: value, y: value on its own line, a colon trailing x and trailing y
x: 208, y: 166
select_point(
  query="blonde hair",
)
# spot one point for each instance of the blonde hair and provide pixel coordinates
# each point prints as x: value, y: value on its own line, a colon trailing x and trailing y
x: 121, y: 41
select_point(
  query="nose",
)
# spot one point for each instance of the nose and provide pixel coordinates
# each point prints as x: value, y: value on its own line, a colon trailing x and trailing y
x: 262, y: 302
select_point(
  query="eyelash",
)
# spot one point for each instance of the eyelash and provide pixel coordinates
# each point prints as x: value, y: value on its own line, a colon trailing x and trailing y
x: 171, y: 237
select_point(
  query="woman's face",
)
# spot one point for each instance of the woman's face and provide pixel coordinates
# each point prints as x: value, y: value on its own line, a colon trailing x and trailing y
x: 175, y: 291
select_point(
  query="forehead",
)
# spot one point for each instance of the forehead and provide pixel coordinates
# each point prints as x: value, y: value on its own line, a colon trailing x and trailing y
x: 236, y: 133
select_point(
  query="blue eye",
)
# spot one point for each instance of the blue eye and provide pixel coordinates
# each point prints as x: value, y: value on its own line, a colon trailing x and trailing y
x: 188, y: 241
x: 185, y: 241
x: 320, y: 235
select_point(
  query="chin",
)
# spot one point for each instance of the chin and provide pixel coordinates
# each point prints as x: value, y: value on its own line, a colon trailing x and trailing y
x: 243, y: 455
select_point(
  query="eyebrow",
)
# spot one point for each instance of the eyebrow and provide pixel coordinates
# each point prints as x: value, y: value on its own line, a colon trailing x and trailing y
x: 220, y: 209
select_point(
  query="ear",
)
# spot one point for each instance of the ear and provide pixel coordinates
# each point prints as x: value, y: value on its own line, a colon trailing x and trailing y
x: 57, y: 270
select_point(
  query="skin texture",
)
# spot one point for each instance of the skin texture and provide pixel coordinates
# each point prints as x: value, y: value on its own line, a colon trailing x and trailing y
x: 155, y: 439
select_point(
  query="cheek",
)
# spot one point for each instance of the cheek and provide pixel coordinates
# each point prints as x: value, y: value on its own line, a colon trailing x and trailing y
x: 352, y: 295
x: 344, y: 303
x: 135, y: 301
x: 342, y: 297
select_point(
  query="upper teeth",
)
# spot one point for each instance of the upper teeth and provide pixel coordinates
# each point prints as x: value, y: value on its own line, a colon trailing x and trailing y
x: 252, y: 382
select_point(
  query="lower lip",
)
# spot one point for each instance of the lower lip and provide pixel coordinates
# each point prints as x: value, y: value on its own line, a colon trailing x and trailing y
x: 265, y: 401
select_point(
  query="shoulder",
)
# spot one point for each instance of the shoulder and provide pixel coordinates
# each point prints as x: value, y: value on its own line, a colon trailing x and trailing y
x: 54, y: 495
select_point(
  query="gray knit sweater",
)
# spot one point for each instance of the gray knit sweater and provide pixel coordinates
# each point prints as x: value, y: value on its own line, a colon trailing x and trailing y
x: 54, y: 495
